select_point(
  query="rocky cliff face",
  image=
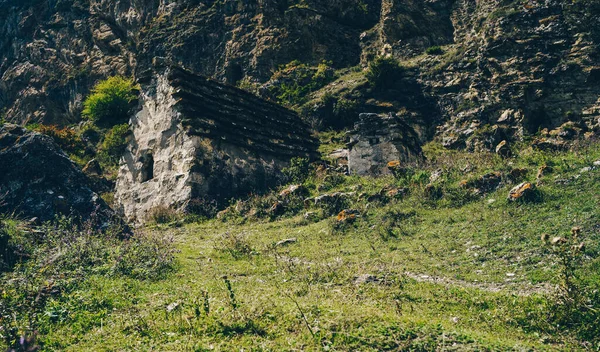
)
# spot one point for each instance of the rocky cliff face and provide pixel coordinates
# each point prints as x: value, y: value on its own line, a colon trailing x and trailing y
x: 509, y: 67
x: 517, y: 67
x: 53, y: 51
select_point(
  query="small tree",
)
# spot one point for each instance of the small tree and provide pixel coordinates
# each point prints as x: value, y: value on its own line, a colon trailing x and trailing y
x: 110, y: 101
x: 384, y: 72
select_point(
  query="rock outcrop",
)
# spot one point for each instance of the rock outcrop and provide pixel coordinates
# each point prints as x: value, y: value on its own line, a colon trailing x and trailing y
x: 54, y: 51
x: 532, y: 65
x: 196, y: 140
x: 378, y: 140
x: 37, y: 180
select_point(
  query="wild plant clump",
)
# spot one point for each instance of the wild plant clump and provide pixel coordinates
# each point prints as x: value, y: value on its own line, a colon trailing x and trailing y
x: 66, y: 138
x: 110, y: 101
x: 434, y: 50
x: 384, y: 72
x: 295, y: 81
x: 113, y: 145
x: 58, y: 259
x: 298, y: 171
x: 163, y: 215
x: 575, y: 306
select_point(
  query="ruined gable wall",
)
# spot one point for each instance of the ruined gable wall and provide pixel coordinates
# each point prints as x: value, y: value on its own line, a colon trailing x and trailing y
x: 155, y: 169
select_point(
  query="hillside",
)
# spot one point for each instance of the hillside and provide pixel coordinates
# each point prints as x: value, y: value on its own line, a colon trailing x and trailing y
x: 299, y: 175
x: 465, y: 271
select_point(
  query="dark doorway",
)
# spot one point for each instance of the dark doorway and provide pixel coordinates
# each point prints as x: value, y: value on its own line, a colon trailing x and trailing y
x: 147, y: 171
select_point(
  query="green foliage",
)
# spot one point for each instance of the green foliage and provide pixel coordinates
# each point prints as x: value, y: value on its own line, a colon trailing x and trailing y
x: 248, y: 85
x: 298, y: 171
x: 434, y: 50
x: 344, y: 112
x: 295, y: 81
x: 13, y: 245
x: 110, y: 101
x: 576, y: 305
x: 236, y: 245
x: 66, y: 138
x: 113, y: 145
x: 384, y: 72
x: 146, y: 256
x: 3, y: 116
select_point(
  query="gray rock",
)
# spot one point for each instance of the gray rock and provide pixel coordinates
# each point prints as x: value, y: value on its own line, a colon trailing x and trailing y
x: 366, y: 279
x: 38, y: 180
x: 286, y: 242
x: 377, y: 140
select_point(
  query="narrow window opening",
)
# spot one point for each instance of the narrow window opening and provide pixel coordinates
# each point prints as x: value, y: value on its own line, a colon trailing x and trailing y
x: 147, y: 172
x: 374, y: 141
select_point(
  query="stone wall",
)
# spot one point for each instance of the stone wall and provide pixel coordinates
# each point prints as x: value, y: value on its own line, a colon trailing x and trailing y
x: 377, y: 140
x: 197, y: 141
x: 155, y: 169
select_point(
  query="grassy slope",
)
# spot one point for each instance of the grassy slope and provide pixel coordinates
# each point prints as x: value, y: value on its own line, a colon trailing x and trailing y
x: 439, y: 282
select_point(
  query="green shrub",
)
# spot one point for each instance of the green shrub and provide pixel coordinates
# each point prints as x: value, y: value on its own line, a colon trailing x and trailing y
x: 66, y: 138
x: 113, y: 145
x: 576, y: 304
x: 110, y: 101
x: 298, y: 171
x: 345, y: 113
x: 12, y: 246
x: 295, y: 81
x: 236, y: 245
x: 384, y: 72
x: 146, y: 257
x: 434, y: 50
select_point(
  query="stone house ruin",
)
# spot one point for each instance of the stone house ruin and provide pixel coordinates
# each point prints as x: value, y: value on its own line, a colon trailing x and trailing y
x: 377, y: 140
x: 197, y: 141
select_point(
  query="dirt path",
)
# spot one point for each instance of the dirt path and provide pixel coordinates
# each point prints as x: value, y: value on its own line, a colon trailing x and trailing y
x: 518, y: 288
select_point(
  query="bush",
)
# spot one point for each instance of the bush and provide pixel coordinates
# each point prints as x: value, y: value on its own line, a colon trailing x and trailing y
x: 110, y: 101
x: 114, y: 144
x: 345, y: 113
x: 146, y: 257
x: 66, y: 138
x: 163, y: 215
x: 236, y: 245
x: 298, y: 171
x: 576, y: 305
x: 384, y: 72
x: 295, y: 81
x: 434, y: 50
x: 11, y: 249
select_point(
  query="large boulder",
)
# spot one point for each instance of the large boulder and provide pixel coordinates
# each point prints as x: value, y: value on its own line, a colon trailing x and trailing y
x: 379, y: 145
x: 38, y: 180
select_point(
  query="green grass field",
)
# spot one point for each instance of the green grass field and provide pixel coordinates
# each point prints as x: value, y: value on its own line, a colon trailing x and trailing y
x: 455, y: 272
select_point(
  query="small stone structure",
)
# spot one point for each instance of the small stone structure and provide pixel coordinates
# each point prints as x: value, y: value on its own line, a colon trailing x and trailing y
x: 196, y: 141
x: 377, y: 140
